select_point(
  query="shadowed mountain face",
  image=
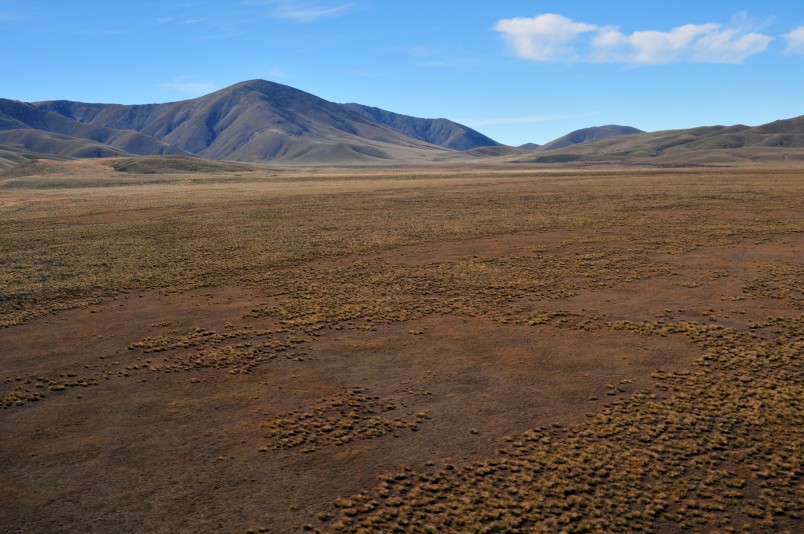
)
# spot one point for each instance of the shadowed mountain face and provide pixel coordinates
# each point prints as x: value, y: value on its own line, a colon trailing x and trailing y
x: 255, y: 121
x: 440, y: 132
x: 26, y: 127
x: 587, y: 135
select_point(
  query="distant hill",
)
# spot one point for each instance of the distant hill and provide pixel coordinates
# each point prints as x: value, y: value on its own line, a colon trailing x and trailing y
x: 781, y: 140
x: 256, y: 121
x: 587, y: 135
x: 442, y: 132
x: 492, y: 151
x: 530, y: 147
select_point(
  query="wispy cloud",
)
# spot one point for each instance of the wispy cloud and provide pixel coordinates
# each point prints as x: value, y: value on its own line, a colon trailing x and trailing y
x: 303, y: 11
x: 208, y: 27
x: 523, y: 120
x: 438, y: 56
x: 277, y: 73
x: 795, y: 41
x: 362, y: 73
x: 465, y: 61
x: 10, y: 16
x: 188, y: 84
x: 413, y: 50
x: 16, y: 10
x: 98, y: 32
x: 554, y: 38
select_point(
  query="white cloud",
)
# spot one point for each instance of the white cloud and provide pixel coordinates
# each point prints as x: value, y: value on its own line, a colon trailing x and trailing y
x: 185, y: 84
x: 747, y: 23
x: 553, y: 38
x: 546, y: 37
x: 700, y: 43
x: 729, y: 46
x: 795, y: 41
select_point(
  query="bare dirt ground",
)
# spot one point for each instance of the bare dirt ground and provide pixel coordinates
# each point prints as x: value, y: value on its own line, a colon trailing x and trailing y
x: 392, y: 351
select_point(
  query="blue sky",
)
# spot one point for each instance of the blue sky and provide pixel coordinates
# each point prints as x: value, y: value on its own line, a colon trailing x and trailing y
x: 518, y: 71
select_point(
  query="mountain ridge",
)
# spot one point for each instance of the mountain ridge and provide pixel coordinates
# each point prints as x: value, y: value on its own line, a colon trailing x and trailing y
x: 254, y: 120
x: 259, y: 121
x: 442, y: 132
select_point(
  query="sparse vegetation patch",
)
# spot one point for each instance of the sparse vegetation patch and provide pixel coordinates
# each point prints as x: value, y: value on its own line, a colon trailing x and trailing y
x: 723, y: 453
x: 337, y: 420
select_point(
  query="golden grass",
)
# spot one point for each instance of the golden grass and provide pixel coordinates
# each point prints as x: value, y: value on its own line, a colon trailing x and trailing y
x: 65, y: 248
x: 719, y: 447
x: 337, y: 420
x: 723, y: 453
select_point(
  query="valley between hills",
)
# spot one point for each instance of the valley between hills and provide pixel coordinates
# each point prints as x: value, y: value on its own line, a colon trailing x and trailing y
x: 194, y: 344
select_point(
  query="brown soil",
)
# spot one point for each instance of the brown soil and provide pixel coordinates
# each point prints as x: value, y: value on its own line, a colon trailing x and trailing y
x: 117, y: 442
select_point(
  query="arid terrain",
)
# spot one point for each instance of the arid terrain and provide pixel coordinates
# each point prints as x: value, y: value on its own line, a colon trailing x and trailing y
x: 233, y: 348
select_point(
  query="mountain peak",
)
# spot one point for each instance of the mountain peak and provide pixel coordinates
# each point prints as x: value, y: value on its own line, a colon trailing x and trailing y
x: 261, y: 86
x: 254, y: 120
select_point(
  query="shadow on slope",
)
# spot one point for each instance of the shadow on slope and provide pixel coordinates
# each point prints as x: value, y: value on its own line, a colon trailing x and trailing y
x: 175, y: 164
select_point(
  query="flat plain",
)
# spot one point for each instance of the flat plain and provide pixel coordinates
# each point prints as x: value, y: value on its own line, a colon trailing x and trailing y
x: 254, y: 349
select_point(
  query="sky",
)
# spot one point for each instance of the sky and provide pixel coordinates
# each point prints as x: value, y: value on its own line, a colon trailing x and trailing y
x: 518, y: 71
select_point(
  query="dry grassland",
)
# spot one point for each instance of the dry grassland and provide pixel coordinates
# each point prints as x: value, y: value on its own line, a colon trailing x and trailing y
x: 411, y: 350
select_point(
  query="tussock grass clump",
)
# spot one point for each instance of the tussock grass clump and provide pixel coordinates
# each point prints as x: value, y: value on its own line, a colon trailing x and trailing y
x: 723, y: 453
x: 337, y: 420
x: 779, y: 281
x: 216, y: 350
x: 493, y: 288
x: 20, y: 390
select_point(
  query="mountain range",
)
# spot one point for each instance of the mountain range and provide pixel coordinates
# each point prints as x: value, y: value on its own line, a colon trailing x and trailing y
x: 261, y: 121
x: 253, y: 121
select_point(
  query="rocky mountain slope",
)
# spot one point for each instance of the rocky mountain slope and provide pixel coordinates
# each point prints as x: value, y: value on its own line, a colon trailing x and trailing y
x: 442, y: 132
x: 255, y: 121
